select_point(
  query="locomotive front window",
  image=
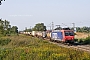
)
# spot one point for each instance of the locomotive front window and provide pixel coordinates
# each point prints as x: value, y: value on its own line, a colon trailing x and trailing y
x: 69, y: 33
x: 66, y: 33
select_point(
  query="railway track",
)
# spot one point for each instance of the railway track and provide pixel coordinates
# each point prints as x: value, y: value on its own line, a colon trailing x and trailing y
x: 76, y: 47
x: 83, y: 47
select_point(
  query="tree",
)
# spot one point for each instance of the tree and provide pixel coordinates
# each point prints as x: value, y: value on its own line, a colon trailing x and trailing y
x: 83, y: 29
x: 14, y: 29
x: 6, y: 24
x: 1, y: 27
x: 27, y: 30
x: 39, y: 27
x: 1, y: 30
x: 6, y: 29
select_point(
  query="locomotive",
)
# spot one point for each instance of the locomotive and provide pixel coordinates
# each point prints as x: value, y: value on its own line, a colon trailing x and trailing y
x: 64, y: 35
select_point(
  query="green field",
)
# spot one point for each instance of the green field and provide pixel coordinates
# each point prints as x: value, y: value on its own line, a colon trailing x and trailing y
x: 30, y: 48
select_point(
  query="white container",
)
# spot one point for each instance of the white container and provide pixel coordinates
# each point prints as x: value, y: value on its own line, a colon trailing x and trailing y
x: 33, y: 33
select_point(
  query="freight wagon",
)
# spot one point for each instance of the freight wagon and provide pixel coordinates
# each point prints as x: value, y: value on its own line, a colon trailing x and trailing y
x: 48, y: 34
x: 39, y: 34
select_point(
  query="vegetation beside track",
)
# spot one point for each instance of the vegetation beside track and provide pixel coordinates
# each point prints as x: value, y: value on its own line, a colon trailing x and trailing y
x: 30, y: 48
x: 85, y: 41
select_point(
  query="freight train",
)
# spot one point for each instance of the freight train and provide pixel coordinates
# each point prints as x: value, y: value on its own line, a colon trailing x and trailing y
x: 65, y: 35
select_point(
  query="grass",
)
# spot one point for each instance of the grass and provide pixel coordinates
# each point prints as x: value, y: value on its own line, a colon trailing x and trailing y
x: 30, y: 48
x: 81, y: 35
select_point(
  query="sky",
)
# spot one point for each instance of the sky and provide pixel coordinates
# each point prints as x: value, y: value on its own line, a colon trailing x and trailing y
x: 26, y: 13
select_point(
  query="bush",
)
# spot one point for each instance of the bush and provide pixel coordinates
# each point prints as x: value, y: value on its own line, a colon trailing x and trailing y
x: 75, y: 40
x: 81, y: 40
x: 87, y: 40
x: 4, y: 41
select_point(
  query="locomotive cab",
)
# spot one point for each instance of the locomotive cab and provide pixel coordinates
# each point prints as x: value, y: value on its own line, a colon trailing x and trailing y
x: 68, y: 36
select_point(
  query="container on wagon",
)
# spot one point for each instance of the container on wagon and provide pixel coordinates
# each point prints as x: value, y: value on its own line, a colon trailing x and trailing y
x: 44, y: 34
x: 33, y: 33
